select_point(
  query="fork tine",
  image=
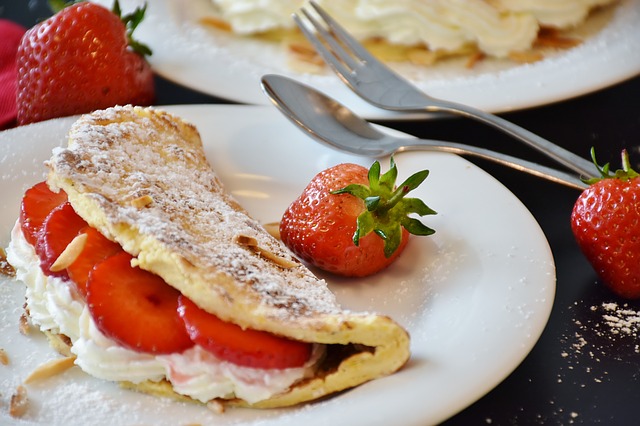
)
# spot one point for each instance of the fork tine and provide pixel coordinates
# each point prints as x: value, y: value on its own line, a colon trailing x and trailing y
x: 343, y: 36
x: 334, y: 54
x: 381, y: 86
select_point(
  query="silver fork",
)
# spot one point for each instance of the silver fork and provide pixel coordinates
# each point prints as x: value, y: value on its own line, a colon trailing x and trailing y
x: 381, y: 86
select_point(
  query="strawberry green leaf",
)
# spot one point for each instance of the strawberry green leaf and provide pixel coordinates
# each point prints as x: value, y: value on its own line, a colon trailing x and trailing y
x: 372, y: 203
x: 416, y: 205
x: 374, y: 175
x: 131, y: 22
x: 392, y: 238
x: 415, y: 227
x: 624, y: 174
x: 388, y: 180
x: 360, y: 191
x: 365, y: 224
x: 57, y: 5
x: 116, y: 9
x: 387, y: 207
x: 414, y: 180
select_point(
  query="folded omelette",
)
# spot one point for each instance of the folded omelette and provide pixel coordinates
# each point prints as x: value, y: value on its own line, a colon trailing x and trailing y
x: 140, y: 177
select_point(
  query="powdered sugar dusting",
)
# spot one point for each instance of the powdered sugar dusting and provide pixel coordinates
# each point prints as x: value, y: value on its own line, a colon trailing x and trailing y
x: 603, y: 338
x: 124, y: 153
x: 611, y: 324
x: 620, y: 319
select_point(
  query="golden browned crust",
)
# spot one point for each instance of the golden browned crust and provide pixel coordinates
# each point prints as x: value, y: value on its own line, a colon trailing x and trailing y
x: 187, y: 232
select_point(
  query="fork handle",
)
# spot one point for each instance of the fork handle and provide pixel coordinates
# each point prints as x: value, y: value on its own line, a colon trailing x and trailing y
x: 516, y: 163
x: 559, y: 154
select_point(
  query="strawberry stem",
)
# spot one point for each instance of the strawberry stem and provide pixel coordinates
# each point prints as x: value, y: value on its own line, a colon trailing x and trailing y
x: 388, y: 208
x: 626, y: 173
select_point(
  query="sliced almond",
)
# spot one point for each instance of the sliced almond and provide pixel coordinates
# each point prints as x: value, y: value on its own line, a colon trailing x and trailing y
x: 4, y: 358
x: 215, y: 406
x: 142, y: 201
x: 216, y: 23
x: 70, y: 253
x: 553, y: 38
x: 252, y: 243
x: 246, y: 241
x: 304, y: 53
x: 23, y: 324
x: 302, y: 49
x: 19, y: 402
x: 273, y: 228
x: 280, y: 261
x: 526, y: 57
x: 421, y: 56
x: 474, y: 59
x: 50, y: 369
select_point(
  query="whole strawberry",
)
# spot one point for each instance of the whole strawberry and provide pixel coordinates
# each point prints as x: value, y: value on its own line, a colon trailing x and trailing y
x: 606, y: 223
x: 82, y: 59
x: 352, y: 221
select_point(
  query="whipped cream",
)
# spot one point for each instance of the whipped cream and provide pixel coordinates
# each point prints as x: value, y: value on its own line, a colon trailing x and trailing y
x: 553, y: 13
x: 497, y: 27
x: 54, y: 305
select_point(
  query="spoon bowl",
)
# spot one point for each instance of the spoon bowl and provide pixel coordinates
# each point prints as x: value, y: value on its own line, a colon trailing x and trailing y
x: 333, y: 124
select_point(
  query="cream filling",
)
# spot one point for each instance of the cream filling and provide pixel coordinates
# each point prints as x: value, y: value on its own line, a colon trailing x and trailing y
x: 54, y: 305
x: 498, y: 27
x: 553, y: 13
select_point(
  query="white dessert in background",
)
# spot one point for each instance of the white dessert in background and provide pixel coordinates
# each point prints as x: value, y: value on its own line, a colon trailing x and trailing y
x: 495, y: 27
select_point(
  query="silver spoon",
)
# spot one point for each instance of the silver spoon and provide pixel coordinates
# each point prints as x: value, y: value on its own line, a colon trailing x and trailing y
x: 333, y: 124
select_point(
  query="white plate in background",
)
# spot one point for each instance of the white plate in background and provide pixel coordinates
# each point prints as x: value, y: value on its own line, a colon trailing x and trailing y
x: 230, y: 67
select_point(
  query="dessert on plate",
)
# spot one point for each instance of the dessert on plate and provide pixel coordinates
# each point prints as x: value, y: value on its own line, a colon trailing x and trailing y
x: 420, y: 31
x: 143, y: 269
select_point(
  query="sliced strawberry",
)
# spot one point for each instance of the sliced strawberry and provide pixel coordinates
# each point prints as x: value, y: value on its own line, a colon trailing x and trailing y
x: 60, y: 227
x: 249, y: 348
x: 37, y: 203
x: 96, y: 249
x: 135, y: 308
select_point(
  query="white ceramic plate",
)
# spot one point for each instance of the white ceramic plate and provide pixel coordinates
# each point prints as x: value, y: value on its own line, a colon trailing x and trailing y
x: 222, y: 65
x: 474, y: 297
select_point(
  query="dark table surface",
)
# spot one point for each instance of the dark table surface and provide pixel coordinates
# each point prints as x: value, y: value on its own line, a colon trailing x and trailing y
x: 584, y: 369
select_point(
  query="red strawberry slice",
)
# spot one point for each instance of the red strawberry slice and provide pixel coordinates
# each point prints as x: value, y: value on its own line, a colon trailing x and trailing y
x: 135, y: 308
x: 96, y: 249
x: 37, y: 203
x: 60, y: 227
x: 249, y: 348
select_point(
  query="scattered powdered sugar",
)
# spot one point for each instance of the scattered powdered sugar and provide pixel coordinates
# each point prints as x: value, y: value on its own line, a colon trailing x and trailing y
x: 599, y: 334
x: 124, y: 153
x: 620, y: 320
x: 603, y: 337
x: 612, y: 323
x: 601, y: 341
